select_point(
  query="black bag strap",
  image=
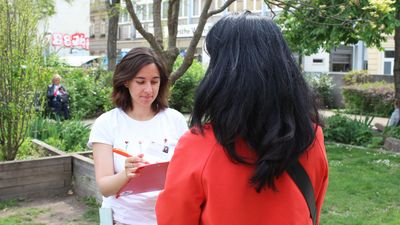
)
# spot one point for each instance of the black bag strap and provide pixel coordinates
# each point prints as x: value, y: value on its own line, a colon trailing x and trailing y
x: 303, y: 182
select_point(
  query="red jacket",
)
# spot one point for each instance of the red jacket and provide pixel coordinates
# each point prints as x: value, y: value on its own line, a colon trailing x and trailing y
x: 204, y: 187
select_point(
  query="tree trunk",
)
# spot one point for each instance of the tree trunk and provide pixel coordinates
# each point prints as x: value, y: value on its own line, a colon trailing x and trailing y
x: 396, y: 68
x: 113, y: 15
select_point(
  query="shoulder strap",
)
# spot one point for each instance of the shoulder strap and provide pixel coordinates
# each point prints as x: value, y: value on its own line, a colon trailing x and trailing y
x: 303, y: 182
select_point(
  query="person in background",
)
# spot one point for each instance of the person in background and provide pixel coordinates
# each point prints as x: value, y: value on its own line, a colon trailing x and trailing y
x: 395, y: 117
x: 57, y: 98
x: 140, y: 121
x: 253, y: 117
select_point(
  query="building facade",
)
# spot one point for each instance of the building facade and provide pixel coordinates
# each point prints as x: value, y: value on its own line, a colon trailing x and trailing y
x: 340, y: 59
x: 189, y: 14
x: 67, y: 31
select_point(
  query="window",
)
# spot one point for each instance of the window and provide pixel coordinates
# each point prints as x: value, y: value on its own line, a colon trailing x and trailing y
x: 340, y: 67
x: 91, y: 29
x: 196, y: 8
x: 125, y: 32
x: 318, y: 61
x: 150, y: 11
x: 389, y: 54
x: 124, y: 17
x: 388, y: 62
x: 183, y: 8
x: 103, y: 28
x: 341, y: 59
x: 141, y: 11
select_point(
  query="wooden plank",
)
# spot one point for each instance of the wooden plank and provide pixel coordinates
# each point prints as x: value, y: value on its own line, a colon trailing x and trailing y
x: 84, y: 178
x: 37, y: 170
x: 42, y: 162
x: 31, y: 180
x: 39, y: 187
x: 38, y: 194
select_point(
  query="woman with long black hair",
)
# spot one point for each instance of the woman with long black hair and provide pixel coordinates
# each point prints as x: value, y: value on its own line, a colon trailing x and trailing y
x: 254, y: 117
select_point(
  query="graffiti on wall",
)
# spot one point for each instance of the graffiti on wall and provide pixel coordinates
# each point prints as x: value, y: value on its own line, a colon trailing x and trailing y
x: 77, y: 40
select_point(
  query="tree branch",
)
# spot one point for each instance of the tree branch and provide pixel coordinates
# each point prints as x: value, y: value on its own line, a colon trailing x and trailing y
x: 222, y: 8
x: 138, y: 26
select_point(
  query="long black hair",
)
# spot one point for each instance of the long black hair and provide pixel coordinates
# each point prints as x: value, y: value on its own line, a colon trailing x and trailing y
x: 254, y: 90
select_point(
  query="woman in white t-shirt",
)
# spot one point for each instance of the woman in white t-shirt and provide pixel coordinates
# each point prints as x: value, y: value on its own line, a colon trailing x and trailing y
x: 140, y: 121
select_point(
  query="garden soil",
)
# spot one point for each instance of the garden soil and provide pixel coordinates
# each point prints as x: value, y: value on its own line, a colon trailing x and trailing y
x: 65, y: 210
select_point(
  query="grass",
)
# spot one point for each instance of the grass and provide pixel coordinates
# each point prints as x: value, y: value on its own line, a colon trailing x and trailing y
x: 92, y: 210
x: 364, y: 187
x: 24, y: 217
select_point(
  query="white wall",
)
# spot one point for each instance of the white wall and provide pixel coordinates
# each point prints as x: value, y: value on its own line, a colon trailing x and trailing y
x: 70, y: 18
x: 311, y: 66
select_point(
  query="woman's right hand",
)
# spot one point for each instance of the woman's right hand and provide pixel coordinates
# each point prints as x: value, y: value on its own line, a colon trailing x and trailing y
x: 132, y: 164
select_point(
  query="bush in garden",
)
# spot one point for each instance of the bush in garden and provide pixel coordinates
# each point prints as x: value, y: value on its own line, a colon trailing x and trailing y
x: 182, y: 92
x: 89, y: 97
x: 74, y: 135
x: 339, y: 128
x: 357, y: 77
x: 69, y: 135
x: 369, y: 98
x: 89, y: 90
x: 322, y: 85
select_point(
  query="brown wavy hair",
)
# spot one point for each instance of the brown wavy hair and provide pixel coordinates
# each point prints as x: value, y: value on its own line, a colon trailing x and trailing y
x: 128, y: 68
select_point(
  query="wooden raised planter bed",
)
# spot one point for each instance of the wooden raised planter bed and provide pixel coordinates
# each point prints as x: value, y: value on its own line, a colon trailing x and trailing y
x: 49, y: 176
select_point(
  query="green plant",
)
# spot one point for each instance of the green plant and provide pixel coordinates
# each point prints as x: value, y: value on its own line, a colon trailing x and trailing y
x: 28, y: 150
x: 322, y: 85
x: 74, y: 135
x: 68, y: 135
x: 89, y: 92
x: 20, y: 62
x: 8, y: 203
x: 369, y: 98
x: 356, y: 77
x: 339, y: 128
x: 182, y: 92
x: 92, y: 211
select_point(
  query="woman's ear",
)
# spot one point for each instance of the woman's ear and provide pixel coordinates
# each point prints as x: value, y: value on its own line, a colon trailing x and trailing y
x: 126, y: 84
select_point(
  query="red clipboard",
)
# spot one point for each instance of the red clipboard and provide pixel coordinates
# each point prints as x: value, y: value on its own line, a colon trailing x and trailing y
x: 150, y: 178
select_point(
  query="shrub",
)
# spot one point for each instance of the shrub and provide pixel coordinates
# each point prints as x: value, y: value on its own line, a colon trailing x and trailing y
x: 356, y: 77
x: 28, y: 150
x: 69, y: 135
x: 89, y: 97
x: 182, y: 92
x: 339, y: 128
x: 322, y: 85
x: 89, y: 90
x: 369, y: 98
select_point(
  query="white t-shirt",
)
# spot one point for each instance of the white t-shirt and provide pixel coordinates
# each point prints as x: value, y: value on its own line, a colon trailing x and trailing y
x: 117, y: 129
